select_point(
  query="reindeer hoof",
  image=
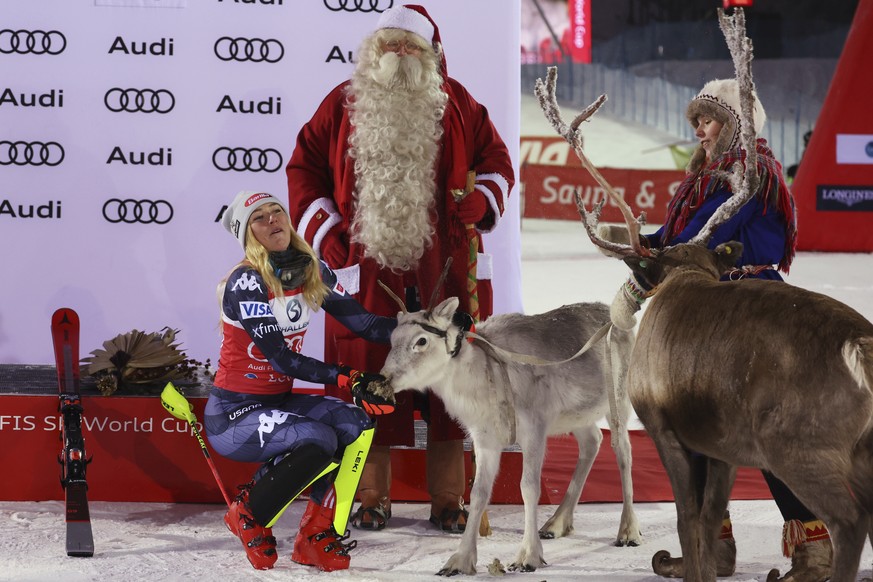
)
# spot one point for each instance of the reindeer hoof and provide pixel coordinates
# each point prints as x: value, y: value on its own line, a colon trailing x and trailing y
x: 773, y: 575
x: 547, y: 535
x: 664, y: 565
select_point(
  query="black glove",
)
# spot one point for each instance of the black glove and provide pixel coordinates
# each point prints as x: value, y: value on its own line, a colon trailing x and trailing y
x: 361, y: 385
x: 290, y: 266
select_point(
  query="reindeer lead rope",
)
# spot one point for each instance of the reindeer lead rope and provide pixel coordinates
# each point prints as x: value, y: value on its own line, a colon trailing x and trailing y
x: 535, y: 361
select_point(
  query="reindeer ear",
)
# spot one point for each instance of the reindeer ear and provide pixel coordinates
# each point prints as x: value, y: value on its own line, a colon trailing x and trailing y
x: 648, y: 272
x: 447, y: 308
x: 728, y: 254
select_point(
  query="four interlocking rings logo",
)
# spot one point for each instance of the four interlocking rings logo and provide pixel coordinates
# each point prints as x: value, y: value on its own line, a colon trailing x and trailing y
x: 251, y: 159
x: 34, y: 42
x: 34, y: 153
x: 256, y: 50
x: 143, y: 211
x: 142, y: 100
x: 358, y: 5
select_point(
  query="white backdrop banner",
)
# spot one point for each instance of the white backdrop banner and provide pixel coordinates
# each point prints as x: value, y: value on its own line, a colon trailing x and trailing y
x: 127, y: 125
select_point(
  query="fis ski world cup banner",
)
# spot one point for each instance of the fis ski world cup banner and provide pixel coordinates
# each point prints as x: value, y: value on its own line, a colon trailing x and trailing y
x: 126, y: 126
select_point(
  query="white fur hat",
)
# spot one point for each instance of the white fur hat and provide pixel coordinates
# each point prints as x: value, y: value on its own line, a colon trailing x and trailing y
x: 236, y: 217
x: 720, y: 99
x: 411, y: 18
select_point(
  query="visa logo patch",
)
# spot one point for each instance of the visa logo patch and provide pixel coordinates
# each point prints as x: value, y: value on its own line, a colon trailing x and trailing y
x: 254, y: 309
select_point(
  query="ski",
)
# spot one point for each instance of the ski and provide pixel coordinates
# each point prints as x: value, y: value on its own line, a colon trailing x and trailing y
x: 65, y: 336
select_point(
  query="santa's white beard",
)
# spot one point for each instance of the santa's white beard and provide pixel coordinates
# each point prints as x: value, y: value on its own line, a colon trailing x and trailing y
x: 395, y: 143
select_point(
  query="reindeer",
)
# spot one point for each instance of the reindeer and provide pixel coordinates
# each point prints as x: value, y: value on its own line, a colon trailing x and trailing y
x: 748, y: 373
x: 518, y: 393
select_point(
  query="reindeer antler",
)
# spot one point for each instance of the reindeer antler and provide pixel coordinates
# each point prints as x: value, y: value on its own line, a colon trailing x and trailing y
x: 545, y: 92
x: 439, y: 284
x: 743, y: 184
x: 433, y: 296
x: 393, y: 296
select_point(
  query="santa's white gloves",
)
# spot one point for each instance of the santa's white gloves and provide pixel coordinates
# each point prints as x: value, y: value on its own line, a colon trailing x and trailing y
x: 627, y: 302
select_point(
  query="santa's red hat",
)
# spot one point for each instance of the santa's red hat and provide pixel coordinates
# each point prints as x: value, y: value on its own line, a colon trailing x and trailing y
x: 411, y: 18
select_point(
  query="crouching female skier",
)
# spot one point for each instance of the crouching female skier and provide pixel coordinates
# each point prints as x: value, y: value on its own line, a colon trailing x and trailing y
x: 253, y: 414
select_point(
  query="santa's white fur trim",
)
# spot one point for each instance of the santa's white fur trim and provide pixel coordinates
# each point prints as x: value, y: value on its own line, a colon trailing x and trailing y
x: 322, y: 204
x: 484, y: 267
x: 407, y: 19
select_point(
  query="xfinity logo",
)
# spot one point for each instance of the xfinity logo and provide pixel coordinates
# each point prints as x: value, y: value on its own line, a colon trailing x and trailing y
x: 256, y: 50
x: 358, y: 5
x: 139, y: 100
x: 254, y: 309
x: 33, y: 42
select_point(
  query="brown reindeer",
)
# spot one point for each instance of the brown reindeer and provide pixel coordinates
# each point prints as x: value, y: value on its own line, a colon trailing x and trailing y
x: 745, y: 373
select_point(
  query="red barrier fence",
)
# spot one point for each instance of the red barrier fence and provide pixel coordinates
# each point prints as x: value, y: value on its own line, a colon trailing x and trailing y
x: 141, y: 453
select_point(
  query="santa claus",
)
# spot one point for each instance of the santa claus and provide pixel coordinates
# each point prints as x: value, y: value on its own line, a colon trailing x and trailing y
x: 399, y: 169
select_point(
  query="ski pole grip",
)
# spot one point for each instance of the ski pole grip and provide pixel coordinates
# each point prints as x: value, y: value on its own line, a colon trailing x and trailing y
x: 177, y: 405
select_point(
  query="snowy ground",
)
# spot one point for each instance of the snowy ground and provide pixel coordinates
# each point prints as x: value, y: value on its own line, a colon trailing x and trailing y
x: 158, y: 541
x: 176, y: 542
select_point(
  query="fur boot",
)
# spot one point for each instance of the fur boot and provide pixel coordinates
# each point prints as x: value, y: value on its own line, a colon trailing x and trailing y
x: 446, y: 484
x: 810, y: 549
x: 725, y: 556
x: 374, y: 490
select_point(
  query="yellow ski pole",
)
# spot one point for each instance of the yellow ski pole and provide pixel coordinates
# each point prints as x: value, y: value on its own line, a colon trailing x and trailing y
x: 179, y: 407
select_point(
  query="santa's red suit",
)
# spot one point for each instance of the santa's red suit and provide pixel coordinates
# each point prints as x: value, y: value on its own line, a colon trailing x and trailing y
x: 321, y: 185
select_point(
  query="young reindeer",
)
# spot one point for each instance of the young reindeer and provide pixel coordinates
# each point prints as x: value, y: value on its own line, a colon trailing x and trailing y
x: 758, y: 373
x: 534, y: 385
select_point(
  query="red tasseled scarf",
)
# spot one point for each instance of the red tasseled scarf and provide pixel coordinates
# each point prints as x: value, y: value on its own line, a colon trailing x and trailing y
x: 694, y: 189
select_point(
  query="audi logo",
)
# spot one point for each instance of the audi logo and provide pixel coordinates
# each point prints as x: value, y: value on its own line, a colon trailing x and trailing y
x: 143, y: 211
x: 256, y: 50
x: 142, y: 100
x: 251, y: 159
x: 358, y: 5
x: 34, y: 153
x: 34, y: 42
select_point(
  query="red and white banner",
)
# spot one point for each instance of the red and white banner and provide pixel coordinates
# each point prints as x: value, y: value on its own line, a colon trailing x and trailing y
x: 550, y: 151
x: 549, y: 191
x: 580, y: 30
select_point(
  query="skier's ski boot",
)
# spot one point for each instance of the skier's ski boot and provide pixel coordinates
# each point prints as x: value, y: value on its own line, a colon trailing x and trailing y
x: 258, y: 541
x: 317, y: 543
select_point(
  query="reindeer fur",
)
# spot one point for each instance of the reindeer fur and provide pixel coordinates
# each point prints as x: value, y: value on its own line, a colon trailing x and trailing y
x: 500, y: 401
x: 754, y: 373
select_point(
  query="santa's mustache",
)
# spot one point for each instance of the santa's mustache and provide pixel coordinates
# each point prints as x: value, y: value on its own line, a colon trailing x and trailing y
x: 396, y: 72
